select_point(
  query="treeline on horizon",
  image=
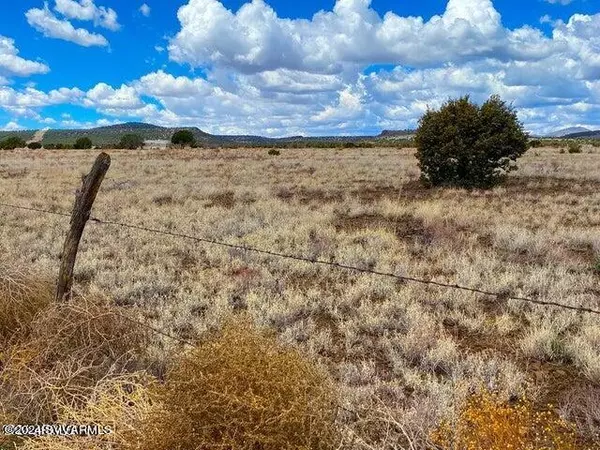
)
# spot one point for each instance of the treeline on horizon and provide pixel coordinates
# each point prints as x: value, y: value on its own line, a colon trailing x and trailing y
x: 186, y: 139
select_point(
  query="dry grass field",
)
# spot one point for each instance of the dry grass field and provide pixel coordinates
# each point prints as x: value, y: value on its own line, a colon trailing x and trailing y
x: 404, y: 357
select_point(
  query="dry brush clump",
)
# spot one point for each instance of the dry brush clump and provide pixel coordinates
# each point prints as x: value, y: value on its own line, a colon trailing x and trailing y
x: 22, y: 297
x: 71, y: 348
x: 486, y: 421
x: 241, y: 390
x: 116, y: 403
x: 71, y: 356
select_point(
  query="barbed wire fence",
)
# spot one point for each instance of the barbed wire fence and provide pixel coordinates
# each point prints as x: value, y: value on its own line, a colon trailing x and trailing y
x: 498, y: 295
x: 81, y: 214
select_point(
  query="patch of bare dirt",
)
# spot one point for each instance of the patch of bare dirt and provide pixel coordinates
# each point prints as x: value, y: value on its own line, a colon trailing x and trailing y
x: 584, y: 254
x: 411, y: 190
x: 407, y: 228
x: 38, y: 136
x: 550, y: 186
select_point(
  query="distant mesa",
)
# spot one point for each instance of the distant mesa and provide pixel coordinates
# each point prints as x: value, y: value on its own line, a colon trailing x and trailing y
x: 568, y: 131
x: 396, y: 133
x: 584, y: 135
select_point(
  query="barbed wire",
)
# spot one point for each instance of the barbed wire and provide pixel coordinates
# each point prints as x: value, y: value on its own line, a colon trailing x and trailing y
x: 155, y: 330
x: 31, y: 208
x: 498, y: 295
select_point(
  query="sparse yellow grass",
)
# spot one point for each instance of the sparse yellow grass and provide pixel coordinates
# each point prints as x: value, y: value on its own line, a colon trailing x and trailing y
x: 415, y: 351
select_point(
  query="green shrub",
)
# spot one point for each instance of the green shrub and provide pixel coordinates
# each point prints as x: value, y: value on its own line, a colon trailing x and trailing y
x: 12, y: 142
x: 34, y: 145
x: 535, y: 143
x: 596, y: 266
x: 470, y: 146
x: 574, y: 147
x: 274, y: 152
x: 58, y: 146
x: 183, y: 138
x: 83, y: 143
x: 131, y: 142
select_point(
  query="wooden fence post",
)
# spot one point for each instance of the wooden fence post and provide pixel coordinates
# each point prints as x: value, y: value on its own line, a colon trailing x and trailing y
x: 84, y: 200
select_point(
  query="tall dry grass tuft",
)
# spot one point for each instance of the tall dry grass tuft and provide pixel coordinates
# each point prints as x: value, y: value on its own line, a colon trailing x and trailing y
x: 92, y: 331
x: 63, y: 351
x: 240, y: 389
x: 117, y: 403
x: 22, y: 297
x: 486, y: 421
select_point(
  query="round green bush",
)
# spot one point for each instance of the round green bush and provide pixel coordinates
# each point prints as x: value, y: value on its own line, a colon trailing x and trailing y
x: 131, y: 142
x: 11, y: 143
x: 574, y: 147
x: 83, y: 143
x: 183, y: 138
x: 34, y: 145
x: 467, y: 145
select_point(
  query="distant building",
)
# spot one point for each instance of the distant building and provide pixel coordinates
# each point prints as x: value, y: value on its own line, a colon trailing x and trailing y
x: 159, y: 144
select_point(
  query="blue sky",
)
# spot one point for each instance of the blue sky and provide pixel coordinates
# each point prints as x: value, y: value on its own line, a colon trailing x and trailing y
x: 283, y: 67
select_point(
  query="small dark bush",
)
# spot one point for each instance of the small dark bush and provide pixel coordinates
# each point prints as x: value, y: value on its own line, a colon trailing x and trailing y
x: 470, y: 146
x: 34, y: 145
x: 83, y: 143
x: 596, y: 267
x: 274, y: 152
x: 574, y: 147
x: 58, y: 146
x: 183, y: 138
x: 535, y: 143
x: 11, y: 143
x: 131, y: 142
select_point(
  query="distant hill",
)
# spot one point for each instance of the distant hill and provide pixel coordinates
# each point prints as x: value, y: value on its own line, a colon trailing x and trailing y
x: 112, y: 134
x: 567, y: 131
x: 584, y: 135
x: 404, y: 134
x: 26, y: 135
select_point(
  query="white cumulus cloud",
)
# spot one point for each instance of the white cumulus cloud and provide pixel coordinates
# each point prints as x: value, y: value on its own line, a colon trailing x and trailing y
x: 12, y: 126
x: 255, y: 39
x: 86, y: 10
x: 103, y: 96
x: 12, y: 64
x: 44, y: 21
x: 145, y: 10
